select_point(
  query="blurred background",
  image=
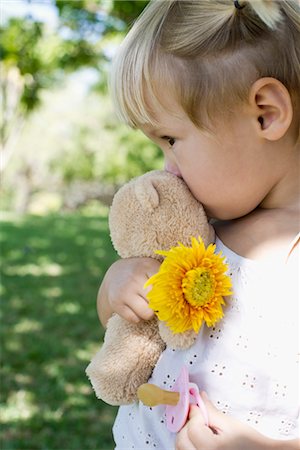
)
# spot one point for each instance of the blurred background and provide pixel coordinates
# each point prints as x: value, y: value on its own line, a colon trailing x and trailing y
x: 63, y: 156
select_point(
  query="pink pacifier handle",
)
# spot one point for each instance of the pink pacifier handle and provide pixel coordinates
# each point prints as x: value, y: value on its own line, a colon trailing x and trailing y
x: 195, y: 395
x: 189, y: 394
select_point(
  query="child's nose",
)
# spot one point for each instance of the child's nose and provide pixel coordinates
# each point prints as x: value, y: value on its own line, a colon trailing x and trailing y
x: 172, y: 168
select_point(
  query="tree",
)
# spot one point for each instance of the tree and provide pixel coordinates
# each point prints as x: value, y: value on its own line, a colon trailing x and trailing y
x: 31, y: 58
x: 22, y: 74
x: 86, y: 17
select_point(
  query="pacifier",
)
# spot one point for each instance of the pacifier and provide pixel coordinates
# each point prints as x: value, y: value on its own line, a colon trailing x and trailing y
x: 177, y: 400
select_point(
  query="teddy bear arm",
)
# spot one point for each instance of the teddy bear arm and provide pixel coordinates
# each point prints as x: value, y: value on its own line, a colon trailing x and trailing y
x: 125, y: 360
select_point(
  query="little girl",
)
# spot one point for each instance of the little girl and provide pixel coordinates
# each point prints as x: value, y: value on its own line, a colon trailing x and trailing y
x: 216, y: 84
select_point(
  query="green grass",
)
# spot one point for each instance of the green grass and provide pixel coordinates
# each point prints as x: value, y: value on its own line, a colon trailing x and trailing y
x: 51, y: 270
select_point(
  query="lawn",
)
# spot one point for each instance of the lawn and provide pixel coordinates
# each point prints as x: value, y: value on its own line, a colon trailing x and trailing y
x: 51, y: 268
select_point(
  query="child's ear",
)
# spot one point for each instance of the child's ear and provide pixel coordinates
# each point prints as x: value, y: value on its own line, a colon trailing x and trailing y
x: 272, y: 107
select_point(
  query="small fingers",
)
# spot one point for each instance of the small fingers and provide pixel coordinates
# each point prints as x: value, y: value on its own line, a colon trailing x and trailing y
x: 195, y: 412
x: 195, y: 434
x: 124, y: 288
x: 136, y: 311
x: 142, y: 309
x: 138, y: 306
x: 128, y: 314
x: 183, y: 442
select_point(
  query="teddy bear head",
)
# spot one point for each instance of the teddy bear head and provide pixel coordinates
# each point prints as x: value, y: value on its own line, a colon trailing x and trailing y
x: 153, y: 212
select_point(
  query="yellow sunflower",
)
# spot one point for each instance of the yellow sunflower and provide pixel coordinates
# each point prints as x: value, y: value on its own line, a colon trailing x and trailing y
x: 189, y: 287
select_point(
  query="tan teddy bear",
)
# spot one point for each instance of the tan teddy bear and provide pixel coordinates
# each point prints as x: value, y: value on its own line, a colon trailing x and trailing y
x: 151, y: 212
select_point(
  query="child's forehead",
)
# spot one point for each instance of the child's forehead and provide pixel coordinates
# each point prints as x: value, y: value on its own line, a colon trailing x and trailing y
x: 164, y: 123
x: 163, y: 106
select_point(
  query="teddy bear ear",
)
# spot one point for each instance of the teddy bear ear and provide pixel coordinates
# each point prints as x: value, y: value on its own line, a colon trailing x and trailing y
x: 146, y: 194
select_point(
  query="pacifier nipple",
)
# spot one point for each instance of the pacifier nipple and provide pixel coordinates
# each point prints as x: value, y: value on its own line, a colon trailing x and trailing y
x: 152, y: 395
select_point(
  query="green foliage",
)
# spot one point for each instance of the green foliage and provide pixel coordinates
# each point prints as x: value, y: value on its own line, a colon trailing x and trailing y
x: 102, y: 149
x: 99, y: 16
x: 56, y: 150
x: 18, y: 44
x: 31, y: 61
x: 134, y: 155
x: 130, y: 155
x: 80, y: 15
x: 40, y: 57
x: 19, y: 48
x: 87, y: 19
x: 51, y: 270
x: 128, y: 11
x: 79, y: 163
x: 82, y: 24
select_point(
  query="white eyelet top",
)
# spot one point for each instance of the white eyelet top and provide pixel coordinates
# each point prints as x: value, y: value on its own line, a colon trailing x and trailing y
x: 248, y: 363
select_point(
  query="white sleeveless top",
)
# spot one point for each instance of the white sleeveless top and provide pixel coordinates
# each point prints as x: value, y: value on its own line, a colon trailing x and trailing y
x: 248, y: 363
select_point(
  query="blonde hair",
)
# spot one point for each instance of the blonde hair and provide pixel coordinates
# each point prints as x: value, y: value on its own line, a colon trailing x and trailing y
x: 208, y: 53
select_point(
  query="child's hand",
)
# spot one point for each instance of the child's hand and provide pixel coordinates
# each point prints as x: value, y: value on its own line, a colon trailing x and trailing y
x: 224, y: 433
x: 122, y: 289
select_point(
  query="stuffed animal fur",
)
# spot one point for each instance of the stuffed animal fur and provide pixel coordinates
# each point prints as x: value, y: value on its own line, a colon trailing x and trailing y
x: 151, y: 212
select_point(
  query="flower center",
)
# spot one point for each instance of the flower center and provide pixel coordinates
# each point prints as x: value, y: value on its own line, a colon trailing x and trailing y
x: 198, y: 286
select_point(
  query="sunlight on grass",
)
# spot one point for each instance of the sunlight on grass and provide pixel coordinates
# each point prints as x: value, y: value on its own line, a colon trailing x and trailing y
x: 22, y: 378
x: 53, y: 416
x: 25, y: 325
x: 51, y: 270
x: 100, y: 252
x: 38, y: 242
x: 15, y: 254
x: 20, y: 406
x: 52, y: 292
x: 75, y: 400
x: 14, y: 344
x: 81, y: 240
x: 16, y: 302
x: 87, y: 353
x: 78, y: 388
x: 52, y: 369
x: 67, y: 307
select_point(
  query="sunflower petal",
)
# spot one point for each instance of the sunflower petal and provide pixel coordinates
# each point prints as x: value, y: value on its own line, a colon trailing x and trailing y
x: 189, y: 286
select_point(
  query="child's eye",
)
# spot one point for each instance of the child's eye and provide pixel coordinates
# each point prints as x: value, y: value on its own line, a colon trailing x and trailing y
x: 171, y: 141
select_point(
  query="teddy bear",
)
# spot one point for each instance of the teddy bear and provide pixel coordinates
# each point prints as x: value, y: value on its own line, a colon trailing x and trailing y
x: 151, y: 212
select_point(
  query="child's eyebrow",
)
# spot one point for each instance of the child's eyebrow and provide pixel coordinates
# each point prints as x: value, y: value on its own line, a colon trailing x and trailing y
x: 152, y: 128
x: 163, y: 129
